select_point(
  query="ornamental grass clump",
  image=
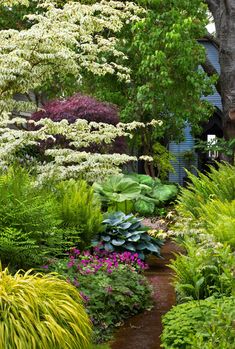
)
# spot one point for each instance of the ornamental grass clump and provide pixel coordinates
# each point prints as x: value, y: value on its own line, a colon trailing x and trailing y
x: 41, y: 312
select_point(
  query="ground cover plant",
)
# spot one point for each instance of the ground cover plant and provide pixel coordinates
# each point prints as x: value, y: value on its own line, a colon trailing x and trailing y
x: 41, y: 311
x: 206, y: 324
x: 126, y: 233
x: 111, y: 285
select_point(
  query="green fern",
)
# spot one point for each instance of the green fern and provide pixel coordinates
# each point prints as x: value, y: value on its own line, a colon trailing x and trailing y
x: 206, y: 270
x: 219, y: 220
x: 79, y: 209
x: 216, y: 184
x: 24, y: 206
x: 16, y: 248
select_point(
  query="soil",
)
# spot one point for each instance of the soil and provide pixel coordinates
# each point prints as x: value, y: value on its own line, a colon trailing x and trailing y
x: 143, y: 331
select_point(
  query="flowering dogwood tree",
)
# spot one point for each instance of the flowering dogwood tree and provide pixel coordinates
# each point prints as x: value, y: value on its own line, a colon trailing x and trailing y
x: 62, y: 42
x: 59, y: 43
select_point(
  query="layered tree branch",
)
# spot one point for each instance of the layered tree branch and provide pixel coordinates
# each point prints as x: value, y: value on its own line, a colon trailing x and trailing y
x: 212, y: 39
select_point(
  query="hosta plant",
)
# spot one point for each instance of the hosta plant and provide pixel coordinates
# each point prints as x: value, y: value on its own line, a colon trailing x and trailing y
x: 126, y: 233
x: 135, y: 193
x: 41, y: 312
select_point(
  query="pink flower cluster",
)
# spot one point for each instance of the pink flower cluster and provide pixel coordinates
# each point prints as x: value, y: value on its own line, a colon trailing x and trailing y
x: 87, y: 263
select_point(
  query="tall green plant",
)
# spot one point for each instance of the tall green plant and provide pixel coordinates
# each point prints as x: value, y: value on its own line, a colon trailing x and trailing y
x: 206, y: 270
x: 218, y: 218
x: 79, y: 209
x: 24, y: 206
x: 41, y: 312
x: 216, y: 184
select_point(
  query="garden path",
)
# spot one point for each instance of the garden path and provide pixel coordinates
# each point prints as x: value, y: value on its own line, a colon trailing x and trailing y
x: 143, y: 331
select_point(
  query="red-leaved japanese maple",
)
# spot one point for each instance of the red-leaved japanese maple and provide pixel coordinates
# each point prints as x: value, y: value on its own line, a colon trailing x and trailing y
x: 82, y: 107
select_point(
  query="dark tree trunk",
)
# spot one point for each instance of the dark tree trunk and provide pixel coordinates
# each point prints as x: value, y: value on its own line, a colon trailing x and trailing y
x: 223, y: 12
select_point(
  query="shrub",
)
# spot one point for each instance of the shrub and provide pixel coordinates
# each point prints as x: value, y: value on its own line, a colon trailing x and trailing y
x: 79, y: 209
x: 206, y: 269
x: 200, y: 325
x: 216, y: 184
x: 111, y: 285
x: 41, y: 312
x: 126, y: 233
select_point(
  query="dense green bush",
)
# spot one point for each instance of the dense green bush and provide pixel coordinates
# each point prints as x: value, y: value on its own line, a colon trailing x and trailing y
x: 206, y: 324
x: 41, y: 312
x: 79, y: 209
x: 28, y: 220
x: 206, y: 269
x: 126, y: 233
x: 135, y: 193
x: 217, y: 184
x: 111, y: 284
x: 17, y: 248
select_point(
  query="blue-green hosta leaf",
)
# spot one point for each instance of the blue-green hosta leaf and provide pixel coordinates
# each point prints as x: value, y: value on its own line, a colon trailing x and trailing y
x: 151, y: 247
x: 141, y: 255
x: 134, y: 238
x: 130, y: 247
x: 141, y: 246
x: 108, y: 247
x: 118, y: 242
x: 125, y: 225
x: 106, y: 238
x: 146, y: 237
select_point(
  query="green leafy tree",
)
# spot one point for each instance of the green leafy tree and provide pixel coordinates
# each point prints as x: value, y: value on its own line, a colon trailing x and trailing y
x: 164, y: 56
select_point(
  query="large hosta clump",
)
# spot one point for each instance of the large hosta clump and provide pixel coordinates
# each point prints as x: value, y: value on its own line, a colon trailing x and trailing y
x: 135, y: 193
x: 126, y: 233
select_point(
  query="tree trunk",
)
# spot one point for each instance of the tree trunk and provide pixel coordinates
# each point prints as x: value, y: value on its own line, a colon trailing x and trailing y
x: 227, y: 63
x: 223, y: 12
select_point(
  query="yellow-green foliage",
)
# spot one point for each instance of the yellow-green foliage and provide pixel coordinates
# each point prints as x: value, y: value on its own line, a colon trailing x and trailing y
x: 41, y: 312
x: 217, y: 184
x: 219, y: 220
x: 79, y: 209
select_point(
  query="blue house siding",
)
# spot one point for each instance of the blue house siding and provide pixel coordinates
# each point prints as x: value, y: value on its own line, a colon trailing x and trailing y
x: 178, y: 149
